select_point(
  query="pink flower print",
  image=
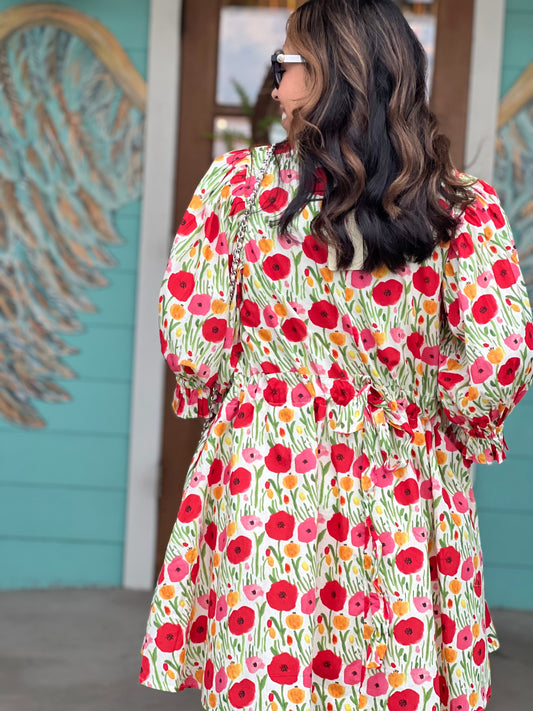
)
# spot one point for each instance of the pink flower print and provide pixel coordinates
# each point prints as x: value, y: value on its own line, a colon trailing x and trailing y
x: 254, y: 664
x: 190, y: 683
x: 422, y: 604
x: 287, y: 241
x: 270, y: 317
x: 222, y: 539
x: 231, y: 408
x: 245, y: 189
x: 253, y: 389
x: 297, y: 308
x: 484, y: 279
x: 196, y: 479
x: 251, y: 522
x: 203, y: 601
x: 428, y: 488
x: 147, y: 642
x: 222, y: 608
x: 430, y: 355
x: 221, y: 680
x: 300, y: 395
x: 221, y: 245
x: 288, y: 176
x: 420, y: 676
x: 173, y: 362
x: 382, y: 477
x: 177, y: 569
x: 420, y: 534
x: 305, y: 461
x: 367, y: 339
x: 359, y: 535
x: 308, y: 677
x: 308, y: 602
x: 346, y: 322
x: 387, y: 543
x: 375, y: 602
x: 377, y: 685
x: 480, y: 370
x: 322, y: 451
x: 356, y: 604
x: 398, y: 335
x: 467, y: 569
x: 460, y: 502
x: 354, y: 673
x: 252, y: 592
x: 204, y: 372
x: 464, y: 638
x: 169, y: 266
x: 251, y: 455
x: 404, y: 271
x: 252, y: 251
x: 360, y: 280
x: 460, y: 703
x: 307, y: 530
x: 514, y: 341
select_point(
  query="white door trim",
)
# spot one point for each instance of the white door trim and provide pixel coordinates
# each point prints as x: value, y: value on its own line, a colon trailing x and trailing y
x: 156, y: 230
x: 485, y: 83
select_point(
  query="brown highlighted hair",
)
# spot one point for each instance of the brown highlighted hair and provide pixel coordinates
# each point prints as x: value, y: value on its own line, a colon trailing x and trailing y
x: 366, y: 123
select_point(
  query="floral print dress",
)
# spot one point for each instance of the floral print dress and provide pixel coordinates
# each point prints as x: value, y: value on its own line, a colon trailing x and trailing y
x: 326, y: 553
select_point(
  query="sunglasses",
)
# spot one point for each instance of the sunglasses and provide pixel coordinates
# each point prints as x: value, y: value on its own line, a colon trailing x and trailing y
x: 278, y: 59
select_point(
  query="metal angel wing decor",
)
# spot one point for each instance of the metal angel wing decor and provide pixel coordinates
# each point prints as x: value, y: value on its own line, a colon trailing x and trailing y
x: 514, y: 166
x: 71, y: 147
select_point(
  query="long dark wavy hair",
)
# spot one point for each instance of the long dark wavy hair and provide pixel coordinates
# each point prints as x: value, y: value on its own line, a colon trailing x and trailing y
x: 367, y: 124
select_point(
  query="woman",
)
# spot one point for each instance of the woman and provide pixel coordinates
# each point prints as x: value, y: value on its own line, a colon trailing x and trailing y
x: 326, y: 552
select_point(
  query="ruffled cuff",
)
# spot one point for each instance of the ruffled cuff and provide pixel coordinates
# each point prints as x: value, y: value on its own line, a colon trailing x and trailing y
x: 488, y: 449
x: 191, y: 402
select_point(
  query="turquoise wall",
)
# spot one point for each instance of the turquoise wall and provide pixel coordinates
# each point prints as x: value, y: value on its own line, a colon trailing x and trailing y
x: 63, y: 488
x: 505, y: 493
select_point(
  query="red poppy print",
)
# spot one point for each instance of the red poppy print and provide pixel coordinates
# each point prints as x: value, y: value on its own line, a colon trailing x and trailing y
x: 239, y: 549
x: 441, y: 688
x: 241, y: 620
x: 479, y: 652
x: 294, y: 329
x: 212, y: 227
x: 342, y: 457
x: 409, y: 560
x: 145, y: 670
x: 389, y: 357
x: 280, y: 526
x: 484, y: 309
x: 276, y: 392
x: 496, y: 215
x: 448, y: 560
x: 315, y: 250
x: 327, y: 665
x: 405, y: 700
x: 387, y: 293
x: 406, y: 492
x: 210, y: 535
x: 282, y: 596
x: 342, y: 392
x: 333, y: 595
x: 464, y: 245
x: 214, y: 330
x: 190, y: 508
x: 169, y: 637
x: 237, y: 206
x: 284, y: 669
x: 449, y: 380
x: 250, y: 314
x: 415, y: 341
x: 324, y: 315
x: 240, y: 481
x: 181, y: 285
x: 338, y: 527
x: 244, y: 416
x: 198, y: 631
x: 187, y: 225
x: 273, y: 200
x: 409, y: 631
x: 507, y: 372
x: 277, y: 267
x: 426, y: 280
x: 279, y: 459
x: 241, y: 693
x: 504, y: 273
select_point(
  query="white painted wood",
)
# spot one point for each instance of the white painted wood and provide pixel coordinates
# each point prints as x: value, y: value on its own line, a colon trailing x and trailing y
x: 485, y: 80
x: 156, y: 230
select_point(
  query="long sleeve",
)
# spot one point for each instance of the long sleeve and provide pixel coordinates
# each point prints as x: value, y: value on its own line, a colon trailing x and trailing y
x: 196, y: 324
x: 487, y: 335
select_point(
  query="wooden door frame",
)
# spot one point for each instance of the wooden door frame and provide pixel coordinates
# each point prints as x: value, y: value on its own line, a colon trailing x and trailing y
x: 199, y: 54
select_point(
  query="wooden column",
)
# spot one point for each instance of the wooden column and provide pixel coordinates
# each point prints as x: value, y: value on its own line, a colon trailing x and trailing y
x: 198, y: 86
x: 451, y: 79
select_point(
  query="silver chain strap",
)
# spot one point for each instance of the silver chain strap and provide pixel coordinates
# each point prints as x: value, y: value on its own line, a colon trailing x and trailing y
x: 237, y: 252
